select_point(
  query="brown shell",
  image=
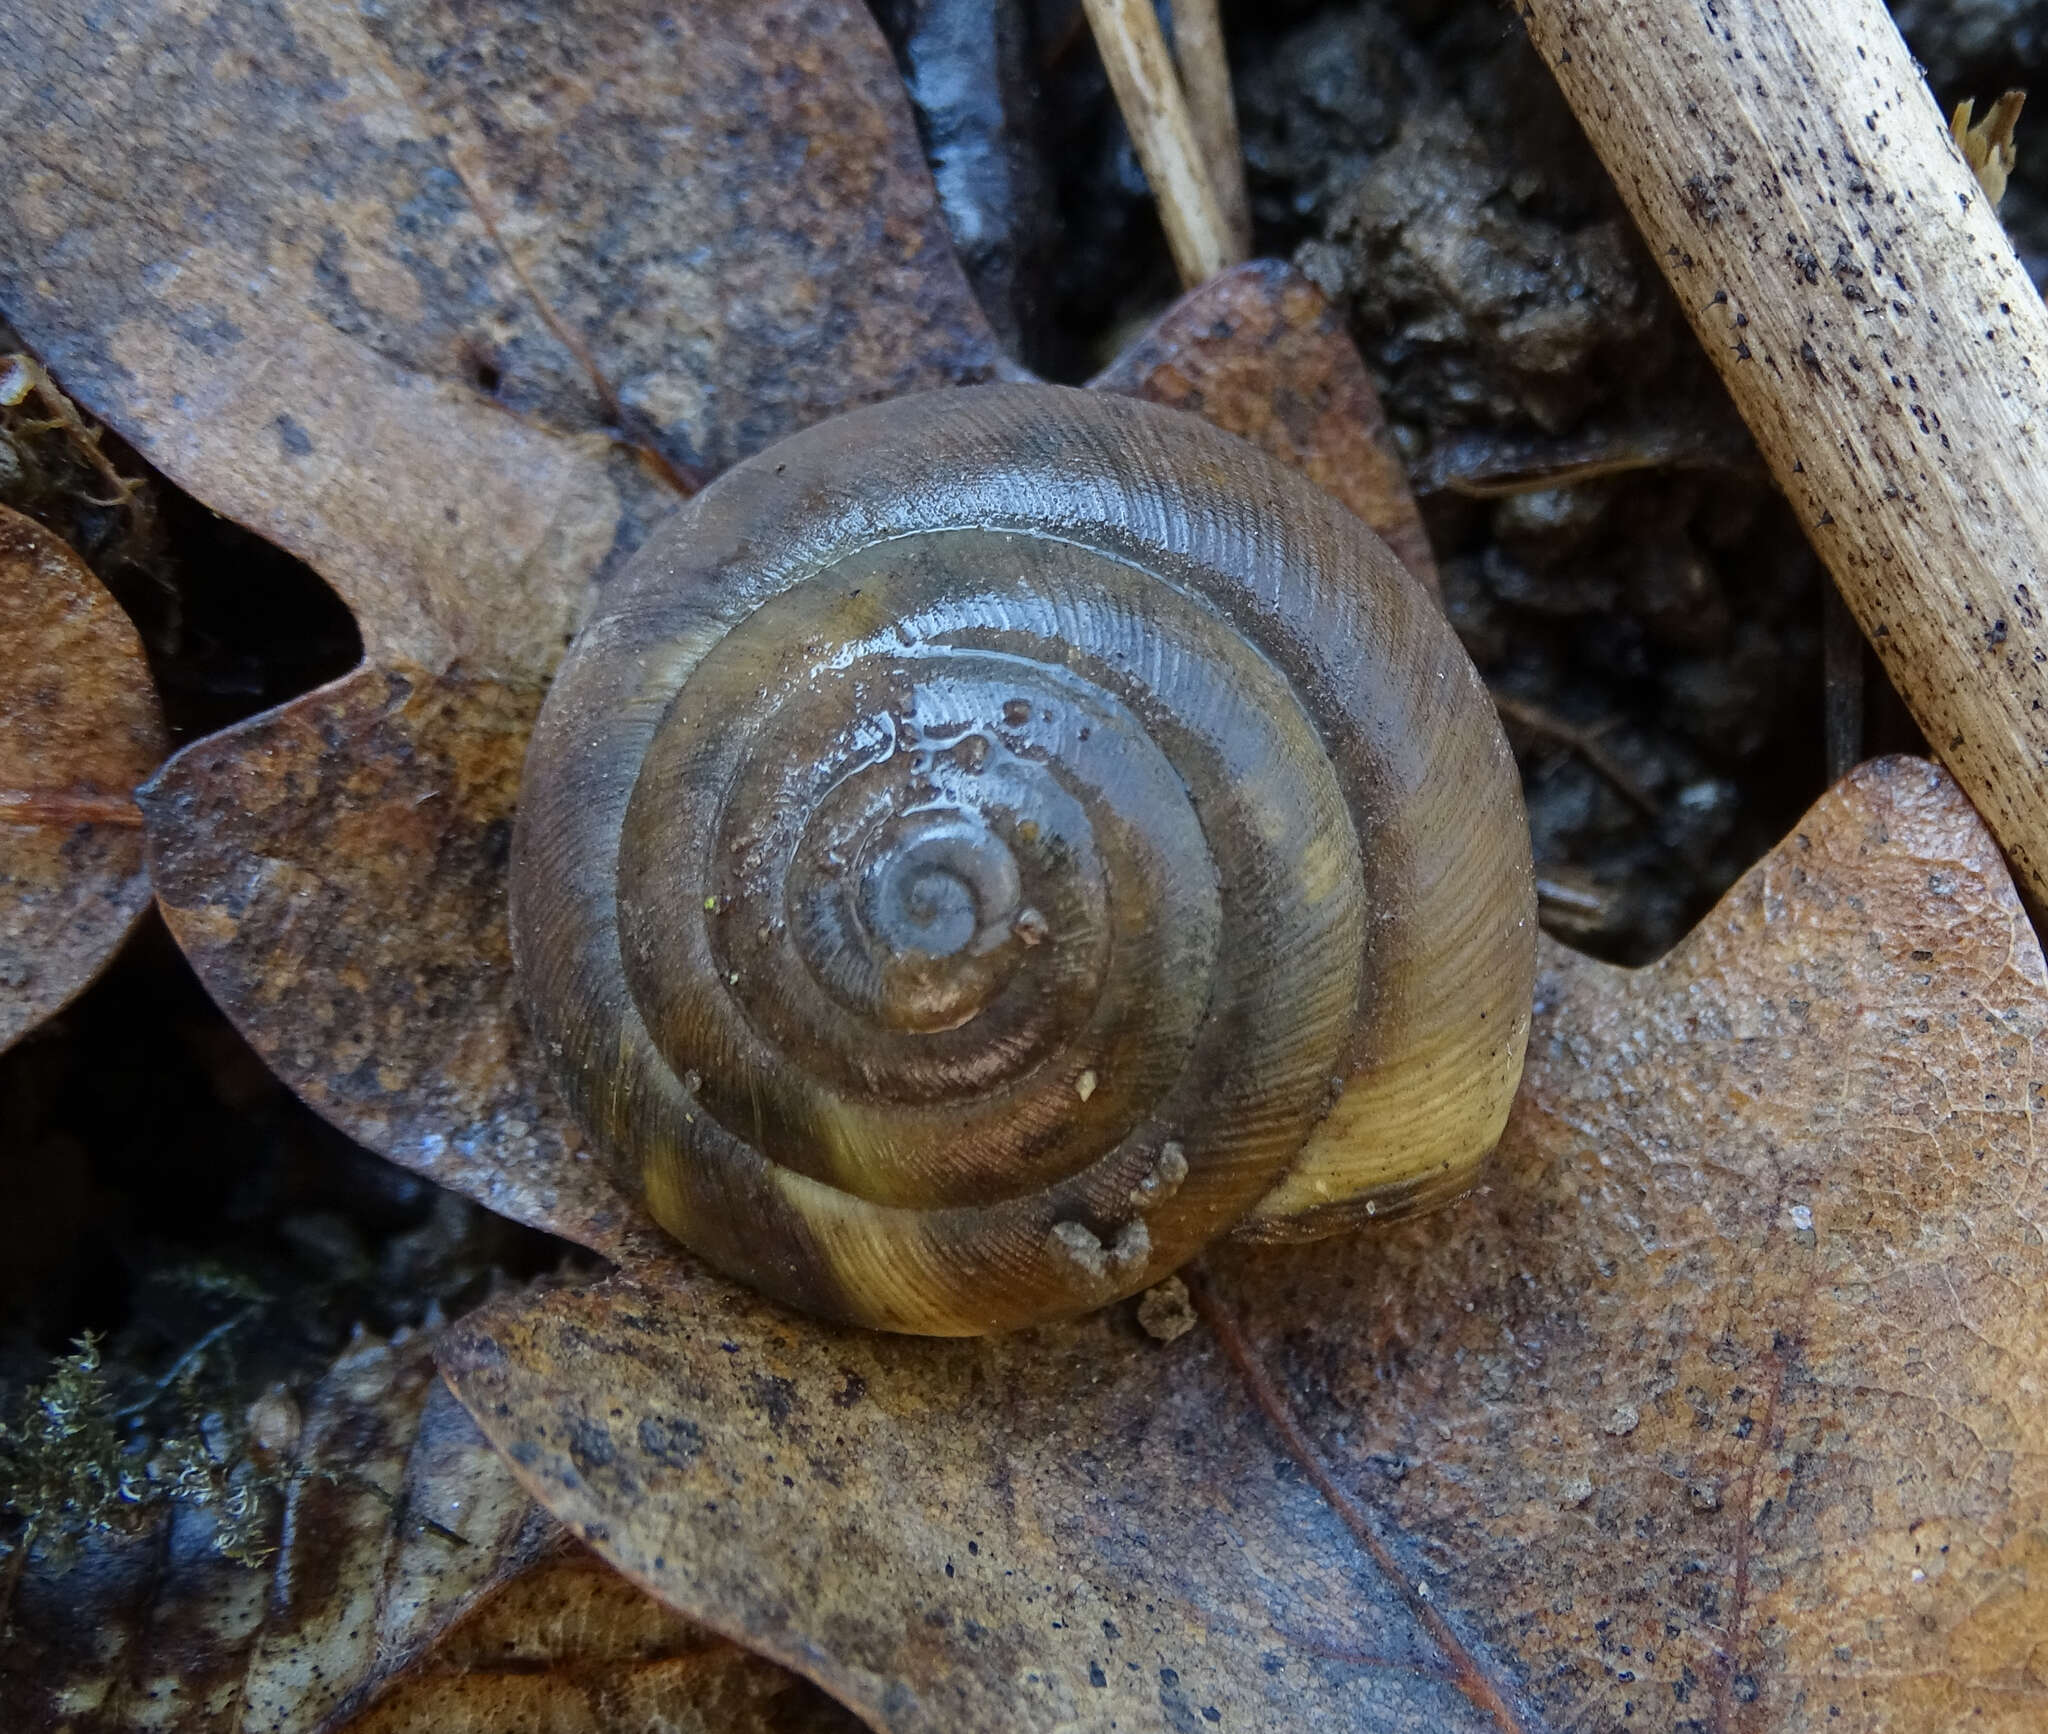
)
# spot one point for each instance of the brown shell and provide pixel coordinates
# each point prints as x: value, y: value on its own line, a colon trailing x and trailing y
x: 993, y: 843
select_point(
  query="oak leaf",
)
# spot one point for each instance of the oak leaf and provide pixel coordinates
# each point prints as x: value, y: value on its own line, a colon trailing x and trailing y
x: 386, y: 1515
x: 572, y: 1647
x: 79, y: 728
x: 452, y: 302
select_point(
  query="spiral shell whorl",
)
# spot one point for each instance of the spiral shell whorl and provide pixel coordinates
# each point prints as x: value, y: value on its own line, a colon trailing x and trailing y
x: 955, y: 868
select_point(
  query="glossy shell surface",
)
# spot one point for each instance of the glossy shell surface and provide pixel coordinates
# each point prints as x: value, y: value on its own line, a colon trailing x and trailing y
x: 993, y: 843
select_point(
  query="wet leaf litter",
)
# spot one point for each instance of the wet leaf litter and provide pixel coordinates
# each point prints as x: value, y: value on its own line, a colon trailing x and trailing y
x: 249, y: 827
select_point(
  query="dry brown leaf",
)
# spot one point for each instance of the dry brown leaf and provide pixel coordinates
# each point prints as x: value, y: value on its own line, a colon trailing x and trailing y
x: 1722, y: 1405
x: 573, y: 1648
x: 79, y: 728
x: 450, y: 300
x: 392, y: 1517
x: 335, y: 870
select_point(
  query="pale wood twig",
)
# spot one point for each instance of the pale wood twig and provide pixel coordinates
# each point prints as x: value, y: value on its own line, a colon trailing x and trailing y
x: 1799, y: 187
x: 1205, y: 77
x: 1156, y: 111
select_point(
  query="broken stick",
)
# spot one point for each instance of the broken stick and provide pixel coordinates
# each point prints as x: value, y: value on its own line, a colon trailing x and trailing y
x: 1801, y: 191
x: 1155, y: 109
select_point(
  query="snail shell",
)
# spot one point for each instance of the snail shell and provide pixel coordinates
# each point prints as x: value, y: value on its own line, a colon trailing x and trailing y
x: 992, y: 843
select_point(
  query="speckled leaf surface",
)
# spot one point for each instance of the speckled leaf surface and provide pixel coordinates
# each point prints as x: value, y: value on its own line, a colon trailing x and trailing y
x: 452, y: 300
x: 1723, y: 1404
x: 571, y: 1647
x: 79, y: 728
x: 336, y: 872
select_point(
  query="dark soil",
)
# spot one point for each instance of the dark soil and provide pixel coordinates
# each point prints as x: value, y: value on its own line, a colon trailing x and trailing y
x: 1615, y: 557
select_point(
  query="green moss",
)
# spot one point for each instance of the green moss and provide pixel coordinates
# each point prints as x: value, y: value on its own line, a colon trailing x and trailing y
x: 70, y: 1470
x: 64, y: 1472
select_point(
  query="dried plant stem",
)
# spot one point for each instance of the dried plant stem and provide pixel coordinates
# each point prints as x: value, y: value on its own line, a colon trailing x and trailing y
x: 1801, y: 190
x: 1583, y: 741
x: 1205, y: 77
x: 1842, y: 672
x: 1156, y: 111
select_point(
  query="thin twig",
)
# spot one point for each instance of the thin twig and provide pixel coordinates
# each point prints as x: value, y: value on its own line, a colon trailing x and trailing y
x: 1156, y: 112
x: 185, y: 1362
x: 1484, y: 468
x: 1584, y: 742
x: 1205, y: 77
x: 1797, y: 184
x: 1467, y: 1672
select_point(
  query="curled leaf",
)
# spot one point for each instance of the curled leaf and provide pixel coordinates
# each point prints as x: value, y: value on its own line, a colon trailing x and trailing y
x: 79, y: 728
x: 383, y: 1515
x: 572, y: 1647
x: 1260, y: 351
x: 451, y: 301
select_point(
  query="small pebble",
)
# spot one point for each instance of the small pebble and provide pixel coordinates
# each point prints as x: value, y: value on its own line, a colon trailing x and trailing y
x: 1164, y: 1312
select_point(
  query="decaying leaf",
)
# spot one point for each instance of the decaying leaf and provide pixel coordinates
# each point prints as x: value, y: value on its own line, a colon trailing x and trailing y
x: 401, y: 1580
x: 1722, y: 1404
x: 389, y: 1516
x: 450, y: 300
x: 572, y: 1647
x: 1259, y: 351
x: 336, y: 872
x: 79, y: 728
